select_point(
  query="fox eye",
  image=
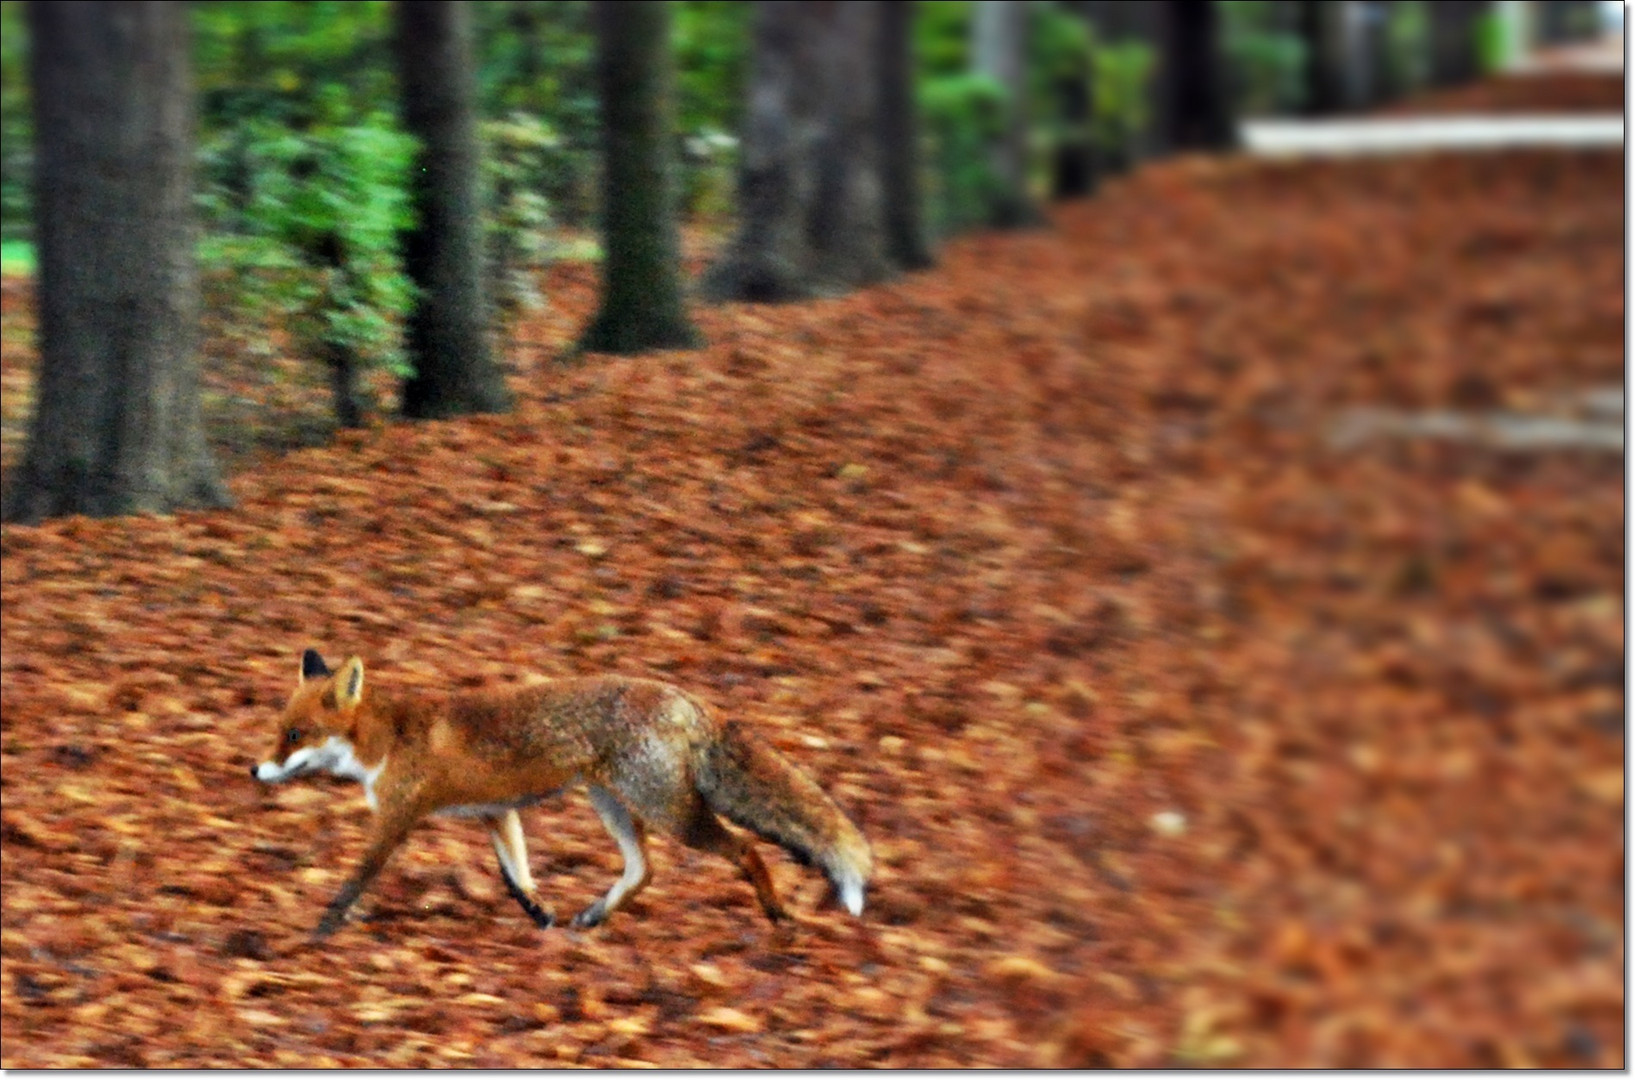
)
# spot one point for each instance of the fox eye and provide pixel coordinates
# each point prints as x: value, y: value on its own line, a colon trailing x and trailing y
x: 293, y: 736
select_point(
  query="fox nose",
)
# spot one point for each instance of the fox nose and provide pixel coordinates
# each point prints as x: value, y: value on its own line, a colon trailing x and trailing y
x: 252, y: 771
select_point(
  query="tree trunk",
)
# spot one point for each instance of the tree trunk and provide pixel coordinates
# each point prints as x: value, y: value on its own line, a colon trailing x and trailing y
x: 1453, y: 41
x: 999, y: 50
x: 447, y: 331
x: 1561, y: 21
x: 1323, y: 33
x: 1359, y: 45
x: 809, y: 187
x: 899, y: 139
x: 642, y: 303
x: 1194, y: 67
x: 116, y: 427
x: 1383, y: 85
x: 1074, y: 164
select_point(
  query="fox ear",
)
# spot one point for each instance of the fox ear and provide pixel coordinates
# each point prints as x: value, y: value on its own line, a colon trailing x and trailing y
x: 349, y: 684
x: 313, y: 666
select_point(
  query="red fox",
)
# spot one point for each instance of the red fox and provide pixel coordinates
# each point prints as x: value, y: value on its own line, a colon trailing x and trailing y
x: 649, y: 753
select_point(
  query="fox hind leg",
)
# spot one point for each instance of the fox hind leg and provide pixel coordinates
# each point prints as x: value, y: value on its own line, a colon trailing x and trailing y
x: 631, y: 837
x: 512, y: 849
x: 704, y: 831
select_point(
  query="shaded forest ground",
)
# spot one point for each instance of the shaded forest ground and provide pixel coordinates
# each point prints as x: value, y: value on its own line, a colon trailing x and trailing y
x: 1183, y: 735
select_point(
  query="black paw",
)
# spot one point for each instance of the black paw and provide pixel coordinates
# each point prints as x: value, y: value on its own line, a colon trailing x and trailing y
x: 591, y: 916
x: 542, y: 918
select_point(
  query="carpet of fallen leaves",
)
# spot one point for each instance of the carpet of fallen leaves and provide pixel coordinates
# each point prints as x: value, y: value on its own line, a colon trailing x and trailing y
x: 1558, y: 92
x: 1182, y: 737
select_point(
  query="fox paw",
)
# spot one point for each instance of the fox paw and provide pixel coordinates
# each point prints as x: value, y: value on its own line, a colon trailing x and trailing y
x: 591, y: 916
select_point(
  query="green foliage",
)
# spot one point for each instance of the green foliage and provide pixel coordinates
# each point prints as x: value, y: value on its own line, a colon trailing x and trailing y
x: 964, y: 113
x: 1059, y: 49
x: 712, y: 49
x: 16, y: 257
x: 538, y: 58
x: 305, y: 64
x: 1265, y: 56
x: 1492, y: 43
x: 307, y: 237
x: 709, y: 174
x: 942, y: 37
x: 1407, y: 46
x: 520, y: 151
x: 303, y: 173
x: 1121, y: 108
x: 16, y: 124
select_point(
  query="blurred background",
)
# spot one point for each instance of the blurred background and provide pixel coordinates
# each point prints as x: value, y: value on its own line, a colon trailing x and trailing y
x: 300, y: 159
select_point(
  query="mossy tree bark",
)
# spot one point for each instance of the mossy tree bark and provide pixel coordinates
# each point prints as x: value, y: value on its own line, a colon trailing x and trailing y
x: 447, y: 331
x: 117, y: 427
x: 809, y: 182
x: 642, y: 304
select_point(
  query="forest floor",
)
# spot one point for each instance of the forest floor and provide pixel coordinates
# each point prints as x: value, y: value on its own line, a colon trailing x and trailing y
x: 1185, y: 731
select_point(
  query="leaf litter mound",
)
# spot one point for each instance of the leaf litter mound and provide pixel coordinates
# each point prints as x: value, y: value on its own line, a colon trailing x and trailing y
x: 1182, y: 736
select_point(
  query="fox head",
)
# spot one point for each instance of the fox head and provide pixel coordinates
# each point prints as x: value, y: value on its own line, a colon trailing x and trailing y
x: 318, y: 731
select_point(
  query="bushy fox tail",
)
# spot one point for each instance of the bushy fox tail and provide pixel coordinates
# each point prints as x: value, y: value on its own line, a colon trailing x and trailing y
x: 752, y: 785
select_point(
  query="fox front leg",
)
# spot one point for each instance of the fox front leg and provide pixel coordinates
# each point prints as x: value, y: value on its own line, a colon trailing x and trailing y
x: 388, y: 836
x: 512, y: 849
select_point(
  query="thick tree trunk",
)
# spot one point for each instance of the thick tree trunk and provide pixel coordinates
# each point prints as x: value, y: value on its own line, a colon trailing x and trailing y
x: 899, y: 139
x: 809, y: 188
x: 1194, y: 67
x: 447, y: 331
x: 116, y: 426
x: 642, y: 302
x: 999, y: 50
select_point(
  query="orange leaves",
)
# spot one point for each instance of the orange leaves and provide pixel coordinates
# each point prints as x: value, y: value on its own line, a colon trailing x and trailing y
x: 1182, y: 736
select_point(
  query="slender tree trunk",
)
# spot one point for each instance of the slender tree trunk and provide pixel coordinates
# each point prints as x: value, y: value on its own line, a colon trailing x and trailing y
x: 999, y: 51
x: 1359, y: 48
x: 1201, y: 116
x: 1558, y: 22
x: 642, y: 303
x: 1453, y: 41
x: 1324, y: 75
x: 899, y: 139
x: 116, y: 426
x: 1074, y: 165
x: 1383, y: 85
x: 809, y: 187
x: 447, y: 331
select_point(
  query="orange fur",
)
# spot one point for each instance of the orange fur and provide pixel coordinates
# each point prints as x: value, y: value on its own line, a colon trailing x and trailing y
x: 651, y: 754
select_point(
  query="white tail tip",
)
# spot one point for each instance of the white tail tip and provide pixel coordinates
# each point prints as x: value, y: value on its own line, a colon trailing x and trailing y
x: 851, y: 895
